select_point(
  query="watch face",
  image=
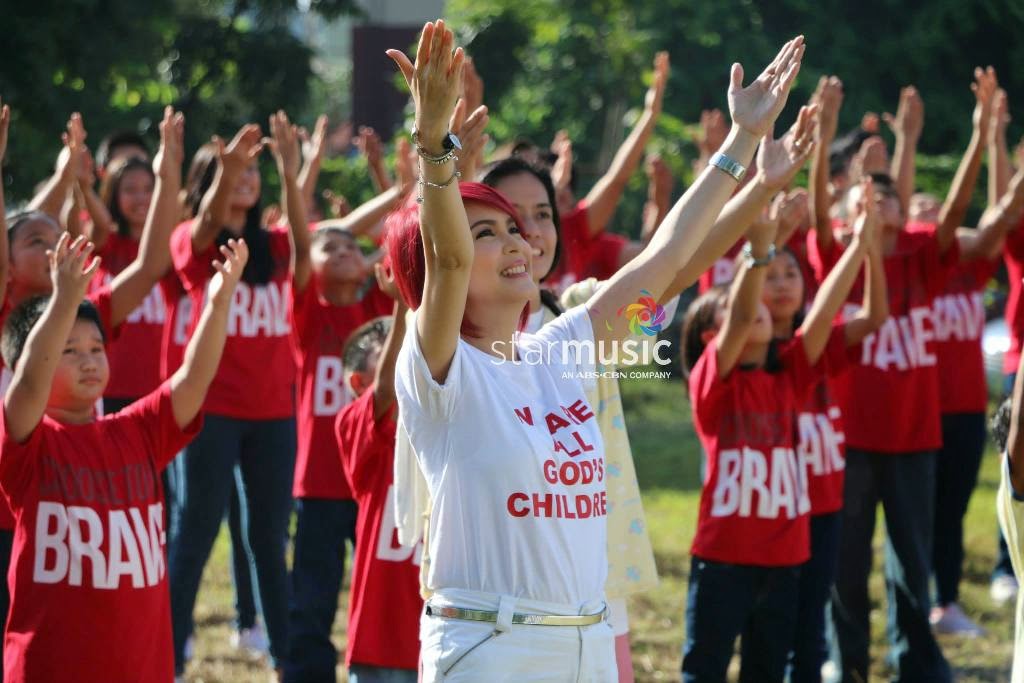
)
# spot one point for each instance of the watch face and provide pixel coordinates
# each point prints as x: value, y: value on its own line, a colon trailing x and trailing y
x: 451, y: 141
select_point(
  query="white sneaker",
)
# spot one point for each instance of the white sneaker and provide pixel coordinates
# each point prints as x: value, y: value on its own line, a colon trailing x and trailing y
x: 951, y: 619
x: 1003, y: 589
x: 252, y: 639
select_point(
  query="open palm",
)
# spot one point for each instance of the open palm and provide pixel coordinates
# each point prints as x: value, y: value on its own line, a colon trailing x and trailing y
x: 756, y: 106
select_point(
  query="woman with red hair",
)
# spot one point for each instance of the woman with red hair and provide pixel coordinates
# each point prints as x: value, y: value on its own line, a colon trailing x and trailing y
x: 499, y: 420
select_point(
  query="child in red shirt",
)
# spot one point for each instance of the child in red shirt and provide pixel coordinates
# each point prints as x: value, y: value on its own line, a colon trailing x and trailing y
x: 385, y: 604
x: 87, y: 568
x: 821, y: 450
x: 327, y: 306
x: 752, y: 531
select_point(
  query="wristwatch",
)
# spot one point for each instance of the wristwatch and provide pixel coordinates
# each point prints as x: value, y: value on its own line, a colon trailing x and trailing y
x: 450, y: 143
x: 752, y: 262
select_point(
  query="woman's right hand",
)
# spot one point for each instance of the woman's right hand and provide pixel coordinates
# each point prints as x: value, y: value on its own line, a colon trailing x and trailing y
x: 434, y: 80
x: 755, y: 107
x: 246, y: 146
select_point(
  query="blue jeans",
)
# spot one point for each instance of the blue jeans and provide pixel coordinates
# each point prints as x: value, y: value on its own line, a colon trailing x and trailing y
x: 361, y: 673
x: 257, y: 456
x: 956, y: 473
x: 728, y: 600
x: 318, y: 567
x: 905, y: 485
x: 245, y: 596
x: 810, y: 649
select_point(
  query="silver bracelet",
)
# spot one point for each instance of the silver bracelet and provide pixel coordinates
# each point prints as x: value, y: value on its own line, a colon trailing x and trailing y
x: 421, y: 183
x: 729, y: 165
x: 754, y: 262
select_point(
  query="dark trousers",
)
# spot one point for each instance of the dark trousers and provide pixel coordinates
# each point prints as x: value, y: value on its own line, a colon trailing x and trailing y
x: 724, y: 601
x: 318, y: 568
x: 817, y: 575
x: 257, y: 457
x: 245, y: 595
x: 956, y: 473
x: 905, y: 485
x: 6, y: 545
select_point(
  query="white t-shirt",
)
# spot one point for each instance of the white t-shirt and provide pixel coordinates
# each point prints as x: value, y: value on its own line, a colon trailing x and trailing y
x: 514, y: 461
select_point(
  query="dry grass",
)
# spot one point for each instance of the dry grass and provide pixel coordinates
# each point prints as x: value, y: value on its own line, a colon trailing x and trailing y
x: 667, y: 457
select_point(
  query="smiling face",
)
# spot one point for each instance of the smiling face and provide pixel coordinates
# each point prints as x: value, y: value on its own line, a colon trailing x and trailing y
x: 29, y: 265
x: 502, y: 272
x: 134, y: 193
x: 82, y: 371
x: 783, y: 292
x: 246, y: 191
x: 336, y: 258
x: 531, y: 200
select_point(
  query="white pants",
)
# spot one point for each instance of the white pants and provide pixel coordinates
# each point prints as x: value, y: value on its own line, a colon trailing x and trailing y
x: 456, y: 650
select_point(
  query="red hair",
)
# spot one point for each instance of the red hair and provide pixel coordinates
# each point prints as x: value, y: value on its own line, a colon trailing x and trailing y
x: 404, y: 243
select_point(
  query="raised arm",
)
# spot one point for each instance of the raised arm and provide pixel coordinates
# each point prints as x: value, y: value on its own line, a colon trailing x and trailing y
x: 817, y: 326
x: 986, y: 242
x: 829, y: 98
x: 50, y: 199
x: 133, y: 284
x: 447, y: 242
x: 711, y: 133
x: 606, y: 193
x: 659, y: 196
x: 384, y: 382
x: 202, y: 355
x: 284, y: 144
x: 215, y: 208
x: 959, y: 197
x: 778, y: 161
x: 368, y: 142
x: 998, y: 154
x: 470, y: 131
x: 673, y: 247
x: 312, y: 155
x: 29, y: 392
x: 744, y: 299
x: 906, y: 128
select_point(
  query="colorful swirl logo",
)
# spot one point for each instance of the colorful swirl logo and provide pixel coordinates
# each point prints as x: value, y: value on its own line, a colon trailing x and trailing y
x: 645, y: 316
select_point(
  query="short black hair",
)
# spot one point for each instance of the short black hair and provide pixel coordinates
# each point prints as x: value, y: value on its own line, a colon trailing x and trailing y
x: 999, y: 425
x: 119, y: 138
x: 328, y: 230
x: 366, y: 338
x: 17, y: 221
x: 25, y: 316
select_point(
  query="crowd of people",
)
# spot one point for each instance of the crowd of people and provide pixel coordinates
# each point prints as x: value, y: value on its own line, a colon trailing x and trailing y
x: 181, y: 353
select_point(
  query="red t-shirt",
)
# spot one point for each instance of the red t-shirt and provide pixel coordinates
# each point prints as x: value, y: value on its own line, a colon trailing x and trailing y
x: 101, y: 300
x: 177, y: 318
x: 891, y: 399
x: 384, y: 603
x: 1013, y: 256
x: 822, y: 449
x: 135, y: 357
x: 574, y: 243
x: 753, y: 505
x: 88, y: 579
x: 321, y: 331
x: 602, y: 256
x: 256, y: 377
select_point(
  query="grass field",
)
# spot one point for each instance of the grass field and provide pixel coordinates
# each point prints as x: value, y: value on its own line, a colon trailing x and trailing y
x: 667, y: 459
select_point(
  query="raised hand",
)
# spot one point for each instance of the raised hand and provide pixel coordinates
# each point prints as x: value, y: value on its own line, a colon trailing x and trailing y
x: 405, y: 166
x: 829, y: 98
x: 656, y: 93
x: 75, y: 157
x: 755, y: 107
x: 369, y: 145
x: 561, y: 170
x: 866, y: 225
x: 472, y: 86
x: 1000, y: 117
x: 791, y: 213
x: 471, y: 134
x: 284, y: 144
x: 872, y: 157
x: 5, y: 122
x: 222, y: 284
x: 386, y: 281
x: 338, y: 206
x: 68, y: 270
x: 313, y: 147
x: 243, y: 148
x: 779, y: 160
x: 909, y: 119
x: 659, y: 181
x: 984, y: 89
x: 170, y: 156
x: 713, y: 131
x: 434, y: 80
